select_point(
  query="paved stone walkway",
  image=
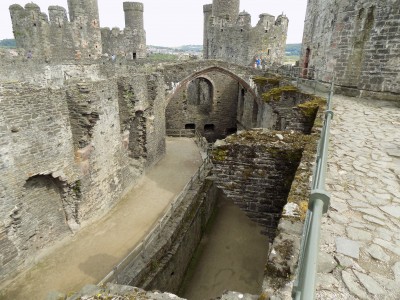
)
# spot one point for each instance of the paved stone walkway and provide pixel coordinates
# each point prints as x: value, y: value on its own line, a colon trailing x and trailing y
x: 360, y: 238
x: 87, y: 257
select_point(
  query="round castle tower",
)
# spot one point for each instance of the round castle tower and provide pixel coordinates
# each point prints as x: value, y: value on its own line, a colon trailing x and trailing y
x: 207, y: 10
x: 87, y: 8
x: 226, y: 9
x: 134, y: 15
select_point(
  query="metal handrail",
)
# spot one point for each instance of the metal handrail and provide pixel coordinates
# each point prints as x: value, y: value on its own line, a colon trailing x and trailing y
x: 304, y: 286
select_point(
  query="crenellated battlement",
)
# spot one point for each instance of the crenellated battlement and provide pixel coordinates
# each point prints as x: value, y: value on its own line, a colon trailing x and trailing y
x: 78, y: 37
x: 229, y: 35
x: 137, y: 6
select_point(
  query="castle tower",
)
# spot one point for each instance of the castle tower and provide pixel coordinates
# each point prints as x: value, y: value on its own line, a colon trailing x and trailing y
x: 30, y: 27
x: 207, y: 10
x: 17, y: 13
x: 134, y: 15
x: 226, y: 9
x: 87, y: 8
x: 134, y: 30
x: 244, y: 19
x: 84, y: 18
x: 58, y: 15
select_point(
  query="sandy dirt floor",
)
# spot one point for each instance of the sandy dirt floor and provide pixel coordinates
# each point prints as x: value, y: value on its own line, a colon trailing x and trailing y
x: 89, y: 255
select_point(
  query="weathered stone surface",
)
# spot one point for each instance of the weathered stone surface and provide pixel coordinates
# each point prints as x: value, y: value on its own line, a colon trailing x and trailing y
x: 326, y: 263
x: 396, y: 270
x: 393, y: 210
x: 348, y: 247
x: 343, y: 39
x: 387, y: 245
x: 344, y: 261
x: 327, y: 282
x: 371, y: 285
x: 354, y: 288
x: 238, y: 296
x: 377, y: 252
x: 122, y: 292
x: 228, y: 35
x: 358, y: 234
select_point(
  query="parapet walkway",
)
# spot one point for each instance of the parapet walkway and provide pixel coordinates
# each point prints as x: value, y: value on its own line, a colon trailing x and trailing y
x: 88, y: 256
x: 360, y: 237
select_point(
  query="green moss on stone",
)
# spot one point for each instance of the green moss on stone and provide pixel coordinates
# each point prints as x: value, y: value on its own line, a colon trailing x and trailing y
x: 310, y: 108
x: 264, y: 80
x: 219, y: 154
x: 276, y: 93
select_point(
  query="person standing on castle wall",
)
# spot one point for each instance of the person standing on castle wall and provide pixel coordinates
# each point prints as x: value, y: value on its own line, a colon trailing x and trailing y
x: 258, y: 63
x: 113, y: 58
x: 29, y: 55
x: 264, y: 63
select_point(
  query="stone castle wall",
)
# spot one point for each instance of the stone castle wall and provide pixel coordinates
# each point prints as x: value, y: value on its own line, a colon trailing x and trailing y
x: 66, y: 156
x: 228, y: 35
x: 208, y: 103
x: 355, y: 42
x: 57, y: 38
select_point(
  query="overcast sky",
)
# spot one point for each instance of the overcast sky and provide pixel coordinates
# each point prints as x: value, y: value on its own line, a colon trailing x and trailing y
x: 173, y: 22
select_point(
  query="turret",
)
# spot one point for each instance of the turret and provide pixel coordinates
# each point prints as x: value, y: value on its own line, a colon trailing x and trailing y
x: 244, y: 19
x: 134, y: 15
x: 87, y: 8
x: 266, y: 21
x: 207, y: 10
x: 226, y: 9
x: 58, y: 15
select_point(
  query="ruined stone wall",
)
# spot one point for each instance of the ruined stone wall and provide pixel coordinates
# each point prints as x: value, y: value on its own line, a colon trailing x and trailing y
x: 55, y: 38
x: 355, y: 42
x: 38, y: 176
x: 131, y: 42
x: 278, y: 107
x: 256, y: 169
x: 208, y: 103
x: 65, y: 159
x: 15, y: 67
x: 232, y: 38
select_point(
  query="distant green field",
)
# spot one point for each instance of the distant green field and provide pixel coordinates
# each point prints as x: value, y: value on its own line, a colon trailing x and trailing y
x: 8, y: 43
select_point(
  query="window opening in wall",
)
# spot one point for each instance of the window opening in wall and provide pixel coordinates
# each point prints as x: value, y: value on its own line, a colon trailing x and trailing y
x: 266, y: 30
x: 134, y: 55
x: 269, y: 52
x: 241, y: 30
x: 190, y: 126
x: 209, y: 128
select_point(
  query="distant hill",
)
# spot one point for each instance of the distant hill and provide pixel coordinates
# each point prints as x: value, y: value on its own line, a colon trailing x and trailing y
x: 293, y: 49
x: 7, y: 43
x: 184, y: 48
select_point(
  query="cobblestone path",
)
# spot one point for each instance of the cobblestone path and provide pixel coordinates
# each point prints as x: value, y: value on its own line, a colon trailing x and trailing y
x: 360, y: 237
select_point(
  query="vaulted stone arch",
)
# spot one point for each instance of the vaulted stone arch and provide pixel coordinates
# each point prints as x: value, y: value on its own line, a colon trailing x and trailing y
x: 217, y: 118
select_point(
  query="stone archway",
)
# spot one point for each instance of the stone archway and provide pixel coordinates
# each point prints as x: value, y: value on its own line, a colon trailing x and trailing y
x: 208, y: 100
